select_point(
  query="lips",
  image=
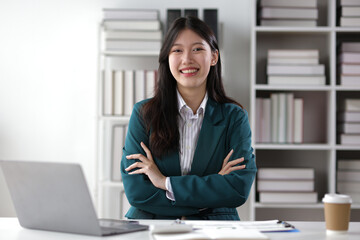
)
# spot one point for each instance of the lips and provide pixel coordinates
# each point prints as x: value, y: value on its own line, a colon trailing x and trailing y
x: 189, y: 70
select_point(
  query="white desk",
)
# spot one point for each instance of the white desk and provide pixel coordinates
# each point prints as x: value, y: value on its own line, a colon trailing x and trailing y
x: 11, y: 230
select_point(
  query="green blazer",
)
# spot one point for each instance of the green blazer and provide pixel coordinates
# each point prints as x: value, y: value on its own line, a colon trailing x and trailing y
x: 203, y: 194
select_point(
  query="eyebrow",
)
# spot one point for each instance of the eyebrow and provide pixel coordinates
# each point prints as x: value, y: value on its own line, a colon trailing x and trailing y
x: 195, y: 43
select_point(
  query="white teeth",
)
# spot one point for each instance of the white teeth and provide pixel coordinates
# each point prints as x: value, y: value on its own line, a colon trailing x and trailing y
x: 189, y: 71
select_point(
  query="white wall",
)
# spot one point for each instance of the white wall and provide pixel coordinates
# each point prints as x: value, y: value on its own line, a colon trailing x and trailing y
x: 48, y: 73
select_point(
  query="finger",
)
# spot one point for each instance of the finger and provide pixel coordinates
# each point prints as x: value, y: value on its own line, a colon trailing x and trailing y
x: 235, y: 169
x: 227, y: 157
x: 147, y: 151
x: 137, y: 156
x: 139, y: 171
x: 134, y: 165
x: 234, y: 162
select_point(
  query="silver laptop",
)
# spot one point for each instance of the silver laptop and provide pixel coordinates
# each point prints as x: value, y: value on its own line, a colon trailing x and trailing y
x: 55, y: 197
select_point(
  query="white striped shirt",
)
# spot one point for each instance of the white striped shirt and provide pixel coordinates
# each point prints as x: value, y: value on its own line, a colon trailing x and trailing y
x: 189, y: 130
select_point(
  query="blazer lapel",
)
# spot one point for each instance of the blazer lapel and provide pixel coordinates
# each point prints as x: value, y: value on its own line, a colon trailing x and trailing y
x: 209, y: 131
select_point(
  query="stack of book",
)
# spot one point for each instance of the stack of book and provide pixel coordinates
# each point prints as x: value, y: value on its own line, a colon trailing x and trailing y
x: 349, y: 122
x: 349, y: 13
x: 348, y: 178
x: 123, y: 88
x: 294, y: 13
x: 210, y: 17
x: 295, y: 67
x: 349, y: 63
x: 286, y: 185
x: 132, y: 30
x: 280, y: 119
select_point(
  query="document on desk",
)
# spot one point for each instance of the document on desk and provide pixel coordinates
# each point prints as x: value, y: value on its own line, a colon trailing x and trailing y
x: 262, y: 226
x: 214, y: 233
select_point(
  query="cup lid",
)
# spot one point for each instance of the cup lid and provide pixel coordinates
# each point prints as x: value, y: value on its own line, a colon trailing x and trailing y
x: 336, y: 198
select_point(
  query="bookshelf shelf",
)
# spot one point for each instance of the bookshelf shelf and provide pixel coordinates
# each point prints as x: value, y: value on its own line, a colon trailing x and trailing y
x: 293, y: 146
x: 320, y: 148
x: 297, y: 206
x: 316, y: 30
x: 266, y: 87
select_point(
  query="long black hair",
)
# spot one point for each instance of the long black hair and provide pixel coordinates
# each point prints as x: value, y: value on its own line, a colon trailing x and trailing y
x: 161, y: 112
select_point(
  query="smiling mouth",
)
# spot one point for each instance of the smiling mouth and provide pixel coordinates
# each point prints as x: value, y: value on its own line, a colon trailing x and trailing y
x: 189, y: 70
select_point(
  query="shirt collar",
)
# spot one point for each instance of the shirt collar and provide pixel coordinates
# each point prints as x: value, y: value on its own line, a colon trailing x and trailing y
x: 182, y: 103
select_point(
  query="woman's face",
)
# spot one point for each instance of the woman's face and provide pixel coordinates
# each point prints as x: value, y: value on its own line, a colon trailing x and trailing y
x: 190, y: 59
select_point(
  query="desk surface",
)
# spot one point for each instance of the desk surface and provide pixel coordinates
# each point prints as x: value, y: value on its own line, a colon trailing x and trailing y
x: 11, y: 230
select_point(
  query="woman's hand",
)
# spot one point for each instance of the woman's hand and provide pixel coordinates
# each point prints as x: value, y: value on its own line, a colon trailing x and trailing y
x: 228, y: 167
x: 147, y: 166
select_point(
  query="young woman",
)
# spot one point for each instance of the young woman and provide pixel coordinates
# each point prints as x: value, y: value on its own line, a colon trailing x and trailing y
x: 188, y: 150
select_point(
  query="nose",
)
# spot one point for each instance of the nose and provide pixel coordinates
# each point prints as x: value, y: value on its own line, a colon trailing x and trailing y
x: 187, y: 57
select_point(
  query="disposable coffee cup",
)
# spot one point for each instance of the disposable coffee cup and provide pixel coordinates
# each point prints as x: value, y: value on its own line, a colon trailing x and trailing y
x: 337, y: 213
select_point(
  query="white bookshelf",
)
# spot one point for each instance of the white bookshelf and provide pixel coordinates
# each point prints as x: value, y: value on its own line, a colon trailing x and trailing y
x: 110, y: 196
x: 320, y: 148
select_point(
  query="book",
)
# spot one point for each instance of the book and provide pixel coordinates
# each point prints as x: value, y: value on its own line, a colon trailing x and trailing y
x: 316, y: 80
x: 266, y: 121
x: 288, y: 197
x: 130, y: 14
x: 119, y: 92
x: 349, y: 116
x: 133, y: 25
x: 351, y: 69
x: 289, y: 3
x: 190, y: 12
x: 292, y: 60
x: 258, y: 122
x: 286, y: 173
x: 118, y: 141
x: 350, y: 11
x: 150, y: 83
x: 281, y: 118
x: 298, y: 120
x: 285, y: 185
x: 350, y: 139
x: 348, y: 164
x: 349, y: 80
x: 210, y: 17
x: 293, y: 69
x: 348, y: 176
x: 350, y: 2
x: 349, y: 128
x: 139, y: 85
x: 288, y: 23
x: 350, y: 21
x: 108, y: 92
x: 133, y: 35
x: 351, y: 104
x: 172, y: 15
x: 274, y: 117
x: 348, y: 186
x: 289, y: 117
x: 141, y: 45
x: 288, y: 13
x: 349, y: 57
x: 350, y: 47
x: 293, y: 53
x: 128, y: 92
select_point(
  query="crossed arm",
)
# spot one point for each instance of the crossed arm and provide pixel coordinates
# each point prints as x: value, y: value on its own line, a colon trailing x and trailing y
x: 147, y: 166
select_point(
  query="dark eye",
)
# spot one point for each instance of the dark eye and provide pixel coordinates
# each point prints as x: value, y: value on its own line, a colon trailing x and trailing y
x: 197, y: 49
x: 176, y: 50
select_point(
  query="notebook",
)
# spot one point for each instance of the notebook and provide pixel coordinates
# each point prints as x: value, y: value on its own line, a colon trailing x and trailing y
x: 55, y: 197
